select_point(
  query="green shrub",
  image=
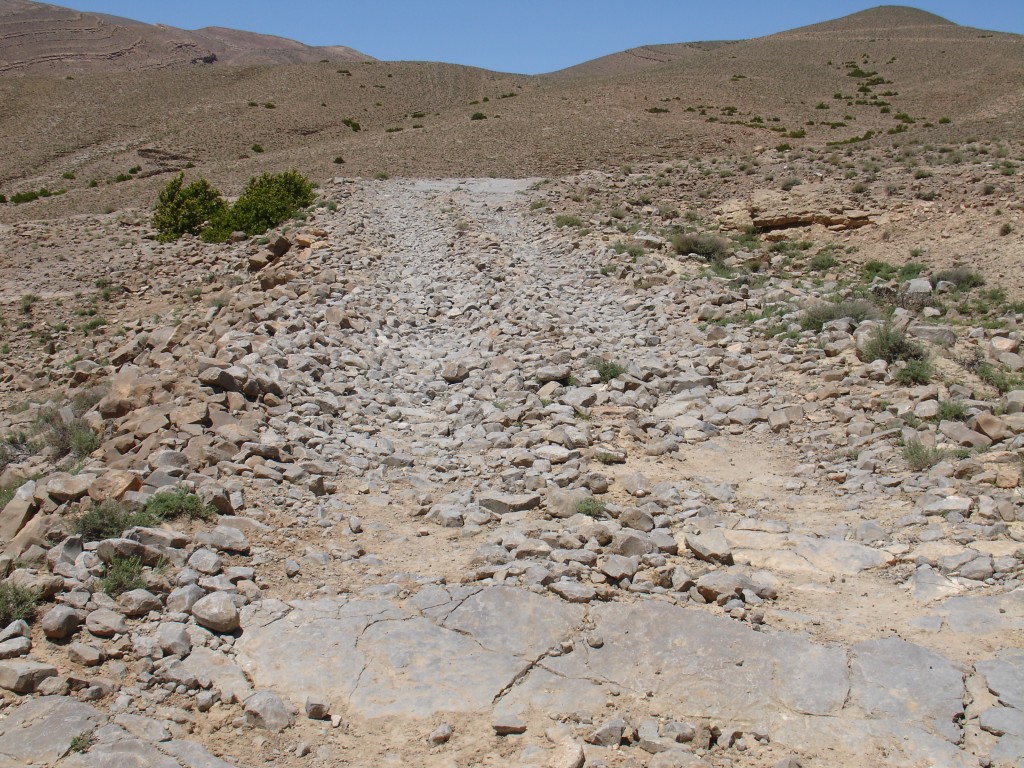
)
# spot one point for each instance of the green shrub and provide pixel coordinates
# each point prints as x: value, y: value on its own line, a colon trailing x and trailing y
x: 963, y: 278
x: 876, y: 268
x: 816, y: 315
x: 591, y: 507
x: 257, y: 148
x: 184, y: 209
x: 789, y: 183
x: 478, y: 116
x: 356, y: 127
x: 75, y: 436
x: 631, y: 248
x: 951, y: 410
x: 708, y: 246
x: 822, y: 261
x: 266, y: 201
x: 17, y: 603
x: 915, y: 372
x: 3, y: 199
x: 607, y: 369
x: 169, y: 505
x: 886, y: 342
x: 123, y: 575
x: 109, y: 520
x: 919, y: 456
x: 568, y: 220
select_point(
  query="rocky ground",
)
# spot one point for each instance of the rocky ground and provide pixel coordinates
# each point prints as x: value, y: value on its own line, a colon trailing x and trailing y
x: 478, y: 485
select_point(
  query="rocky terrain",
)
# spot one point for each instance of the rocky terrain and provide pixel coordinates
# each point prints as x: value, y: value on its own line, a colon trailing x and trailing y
x: 643, y: 436
x: 495, y: 472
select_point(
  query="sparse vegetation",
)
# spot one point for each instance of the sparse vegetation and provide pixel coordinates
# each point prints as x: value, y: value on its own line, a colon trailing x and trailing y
x: 17, y: 603
x: 816, y: 315
x: 267, y: 201
x: 591, y: 507
x: 607, y: 369
x: 184, y: 209
x: 110, y: 519
x: 886, y: 342
x: 170, y: 505
x: 920, y: 456
x: 568, y: 220
x: 709, y: 247
x: 123, y: 574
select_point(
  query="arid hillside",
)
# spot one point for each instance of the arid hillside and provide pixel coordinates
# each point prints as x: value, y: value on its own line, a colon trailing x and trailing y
x: 39, y: 38
x: 882, y: 77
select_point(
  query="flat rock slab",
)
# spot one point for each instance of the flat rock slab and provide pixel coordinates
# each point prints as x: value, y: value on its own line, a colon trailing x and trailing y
x: 473, y: 649
x: 41, y: 730
x: 383, y: 660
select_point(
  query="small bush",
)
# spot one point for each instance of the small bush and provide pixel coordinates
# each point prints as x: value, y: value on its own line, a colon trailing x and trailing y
x: 1006, y: 229
x: 17, y: 603
x: 109, y: 520
x: 257, y: 148
x: 64, y: 437
x: 919, y: 456
x: 789, y: 183
x: 184, y: 209
x: 887, y: 343
x: 349, y: 123
x: 568, y: 220
x: 822, y: 261
x: 169, y: 505
x: 591, y: 507
x: 3, y: 199
x: 478, y: 116
x: 915, y: 372
x: 708, y: 246
x: 951, y: 410
x: 816, y: 315
x: 630, y: 248
x: 266, y: 201
x: 339, y: 160
x: 962, y: 277
x: 607, y: 369
x: 123, y: 575
x: 877, y: 268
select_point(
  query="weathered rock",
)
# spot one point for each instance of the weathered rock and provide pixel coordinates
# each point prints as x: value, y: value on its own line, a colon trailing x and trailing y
x: 60, y: 622
x: 217, y: 612
x: 267, y: 710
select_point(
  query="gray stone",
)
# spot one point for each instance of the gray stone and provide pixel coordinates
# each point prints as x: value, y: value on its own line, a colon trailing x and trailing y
x: 1003, y: 720
x: 1004, y: 676
x: 40, y: 731
x: 895, y: 679
x: 24, y: 675
x: 711, y: 547
x: 138, y: 602
x: 126, y: 753
x: 217, y: 612
x: 503, y: 503
x: 60, y: 622
x: 173, y: 639
x: 105, y: 623
x: 267, y: 710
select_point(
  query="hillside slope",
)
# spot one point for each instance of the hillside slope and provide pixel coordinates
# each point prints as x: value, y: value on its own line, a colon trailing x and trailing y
x: 38, y: 38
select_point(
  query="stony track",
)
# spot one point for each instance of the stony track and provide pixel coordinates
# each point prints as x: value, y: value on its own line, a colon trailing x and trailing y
x: 448, y: 540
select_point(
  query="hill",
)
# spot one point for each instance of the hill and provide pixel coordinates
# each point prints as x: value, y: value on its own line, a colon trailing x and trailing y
x: 885, y: 76
x: 38, y: 38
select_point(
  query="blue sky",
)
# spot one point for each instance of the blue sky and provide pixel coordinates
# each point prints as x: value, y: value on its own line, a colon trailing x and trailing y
x: 525, y: 36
